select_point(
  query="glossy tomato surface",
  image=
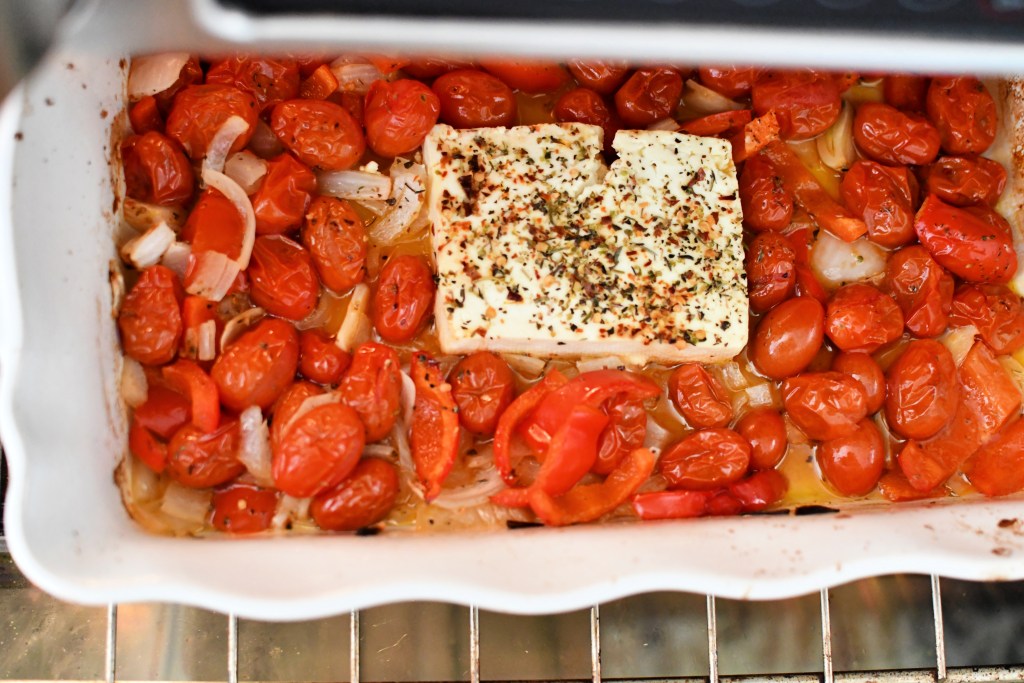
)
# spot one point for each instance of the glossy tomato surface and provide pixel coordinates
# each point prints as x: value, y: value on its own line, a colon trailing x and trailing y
x: 362, y: 499
x: 805, y: 103
x: 922, y: 289
x: 318, y: 450
x: 863, y: 368
x: 335, y: 237
x: 156, y: 170
x: 282, y: 198
x: 771, y: 271
x: 891, y: 136
x: 283, y: 278
x: 474, y: 99
x: 398, y: 115
x: 404, y: 298
x: 199, y: 460
x: 860, y: 317
x: 323, y: 135
x: 883, y: 197
x: 483, y: 387
x: 787, y: 339
x: 528, y: 75
x: 266, y: 79
x: 921, y: 390
x: 372, y: 386
x: 765, y: 430
x: 243, y: 508
x: 701, y: 398
x: 766, y: 203
x: 825, y: 405
x: 706, y: 459
x: 965, y: 243
x: 258, y: 366
x: 852, y: 464
x: 320, y: 359
x: 601, y: 76
x: 651, y: 94
x: 200, y: 110
x: 150, y: 318
x: 963, y: 111
x: 966, y: 180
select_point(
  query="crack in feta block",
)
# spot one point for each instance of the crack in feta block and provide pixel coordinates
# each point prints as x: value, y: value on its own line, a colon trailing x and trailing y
x: 541, y: 249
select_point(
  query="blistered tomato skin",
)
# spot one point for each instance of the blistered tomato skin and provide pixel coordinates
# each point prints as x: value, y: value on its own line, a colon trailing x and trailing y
x: 825, y: 405
x: 788, y: 337
x: 626, y: 431
x: 404, y: 298
x: 965, y: 243
x: 336, y: 239
x: 651, y: 94
x: 732, y: 82
x: 863, y: 368
x: 243, y: 508
x: 283, y: 196
x: 701, y: 399
x: 966, y: 180
x: 765, y: 430
x: 156, y: 170
x: 483, y: 386
x: 398, y: 115
x: 269, y: 81
x: 474, y: 99
x: 586, y: 106
x: 706, y: 459
x: 150, y: 317
x: 200, y: 460
x: 323, y: 135
x: 771, y: 271
x: 853, y: 464
x: 922, y: 390
x: 362, y: 499
x: 922, y: 289
x: 320, y: 359
x: 963, y: 111
x: 861, y: 318
x: 603, y: 77
x: 995, y: 310
x: 200, y: 110
x: 283, y: 278
x: 372, y: 386
x: 805, y: 103
x: 766, y: 204
x: 318, y: 450
x: 258, y: 366
x: 893, y: 137
x: 883, y: 197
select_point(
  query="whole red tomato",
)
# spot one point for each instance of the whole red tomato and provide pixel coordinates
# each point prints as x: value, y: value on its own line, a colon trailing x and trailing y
x: 731, y: 81
x: 626, y: 431
x: 963, y: 181
x: 398, y: 115
x: 282, y: 198
x: 788, y: 337
x: 156, y: 170
x: 214, y: 225
x: 964, y: 112
x: 922, y: 289
x: 483, y: 387
x: 603, y: 77
x: 853, y: 464
x: 884, y: 198
x: 287, y: 406
x: 766, y: 203
x: 905, y: 91
x: 200, y: 110
x: 268, y: 80
x: 825, y: 405
x: 995, y: 310
x: 150, y: 317
x: 921, y: 390
x: 805, y: 103
x: 283, y: 279
x: 863, y: 368
x: 765, y: 430
x: 362, y: 499
x: 336, y: 239
x: 771, y: 271
x: 861, y: 318
x: 891, y: 136
x: 323, y: 135
x: 701, y: 399
x: 320, y: 359
x: 965, y: 244
x: 528, y: 75
x: 318, y: 450
x: 258, y: 366
x: 243, y: 508
x: 586, y: 106
x: 372, y: 386
x: 199, y: 460
x: 474, y: 99
x: 707, y: 459
x: 651, y: 94
x: 404, y: 298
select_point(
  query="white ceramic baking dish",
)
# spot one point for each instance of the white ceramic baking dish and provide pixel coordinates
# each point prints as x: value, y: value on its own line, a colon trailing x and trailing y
x: 64, y: 431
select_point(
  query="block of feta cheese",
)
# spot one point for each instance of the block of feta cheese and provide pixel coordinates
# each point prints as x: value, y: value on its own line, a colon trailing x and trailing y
x: 541, y: 249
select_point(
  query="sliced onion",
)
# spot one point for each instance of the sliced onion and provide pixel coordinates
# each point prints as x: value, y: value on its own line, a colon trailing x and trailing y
x: 213, y: 276
x: 1015, y: 370
x: 408, y: 196
x: 220, y: 144
x: 357, y: 185
x: 665, y: 124
x: 153, y: 74
x: 246, y: 169
x: 760, y: 395
x: 320, y: 315
x: 206, y: 342
x: 733, y: 377
x: 264, y: 141
x: 254, y: 449
x: 230, y: 189
x: 143, y: 483
x: 657, y: 436
x: 176, y: 258
x: 379, y: 450
x: 602, y: 363
x: 239, y: 324
x: 356, y: 325
x: 356, y: 77
x: 134, y: 386
x: 835, y: 147
x: 959, y: 341
x: 488, y: 482
x: 408, y: 397
x: 704, y: 100
x: 290, y: 509
x: 143, y: 216
x: 148, y: 248
x: 309, y: 404
x: 186, y: 504
x: 527, y: 366
x: 118, y: 289
x: 837, y: 262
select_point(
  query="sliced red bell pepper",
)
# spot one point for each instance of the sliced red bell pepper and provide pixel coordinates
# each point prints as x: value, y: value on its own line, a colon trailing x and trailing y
x: 716, y: 124
x: 589, y: 502
x: 164, y: 412
x: 895, y: 487
x: 755, y: 136
x: 435, y: 425
x: 146, y: 447
x: 514, y: 414
x: 671, y: 504
x: 321, y: 83
x: 188, y: 378
x: 997, y: 469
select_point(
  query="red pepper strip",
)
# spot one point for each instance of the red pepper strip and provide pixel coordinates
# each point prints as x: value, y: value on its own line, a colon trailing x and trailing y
x: 587, y: 503
x: 754, y: 136
x: 435, y: 425
x: 146, y: 448
x: 195, y: 310
x: 514, y: 414
x: 716, y: 124
x: 319, y: 85
x: 572, y: 453
x: 164, y: 411
x: 671, y: 504
x: 895, y: 487
x: 760, y: 490
x: 809, y: 194
x: 188, y: 378
x: 591, y: 389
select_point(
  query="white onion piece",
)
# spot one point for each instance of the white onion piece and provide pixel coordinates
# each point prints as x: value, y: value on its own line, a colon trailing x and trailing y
x: 147, y: 249
x: 186, y: 504
x: 379, y: 450
x: 254, y: 447
x: 407, y: 397
x: 153, y: 74
x: 290, y: 509
x: 1015, y: 370
x: 230, y: 189
x: 118, y: 289
x: 143, y: 216
x: 220, y: 144
x: 704, y: 100
x: 356, y: 326
x: 1017, y: 283
x: 214, y: 274
x: 376, y: 207
x: 733, y: 377
x: 206, y: 342
x: 837, y: 262
x: 264, y: 141
x: 134, y: 387
x: 408, y: 195
x: 357, y: 185
x: 309, y: 404
x: 664, y: 124
x: 959, y: 341
x: 527, y: 366
x: 601, y: 363
x: 143, y: 483
x: 176, y: 258
x: 321, y: 314
x: 835, y: 146
x: 657, y: 436
x: 246, y: 169
x: 354, y: 77
x: 488, y: 482
x: 239, y: 324
x: 759, y: 395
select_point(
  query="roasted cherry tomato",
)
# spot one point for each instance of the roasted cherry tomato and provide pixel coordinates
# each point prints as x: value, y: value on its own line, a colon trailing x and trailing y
x: 150, y: 317
x: 243, y: 508
x: 586, y: 106
x: 766, y: 204
x: 287, y: 406
x: 258, y: 366
x: 320, y: 359
x: 282, y: 277
x: 863, y: 368
x: 426, y: 68
x: 398, y: 115
x: 214, y: 225
x: 921, y: 390
x: 362, y: 499
x: 146, y: 447
x: 701, y: 399
x: 156, y: 170
x: 825, y: 405
x: 323, y: 135
x: 474, y: 99
x: 861, y: 318
x: 891, y: 136
x: 706, y: 459
x: 530, y: 76
x: 883, y: 197
x: 268, y: 80
x: 771, y: 271
x: 191, y: 72
x: 483, y: 387
x: 922, y: 289
x: 603, y: 77
x: 145, y: 116
x: 996, y: 311
x: 372, y: 386
x: 964, y: 112
x: 765, y: 430
x: 905, y: 91
x: 317, y: 450
x: 404, y: 298
x: 282, y: 198
x: 853, y: 464
x: 963, y: 181
x: 732, y: 81
x: 788, y: 337
x: 805, y: 103
x: 201, y: 460
x: 164, y: 411
x: 626, y: 431
x: 200, y: 110
x: 997, y: 469
x: 651, y: 94
x: 336, y: 239
x: 965, y: 244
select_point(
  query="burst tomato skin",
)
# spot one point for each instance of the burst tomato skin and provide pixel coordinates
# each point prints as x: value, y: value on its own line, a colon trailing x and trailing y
x: 483, y: 387
x: 626, y: 431
x: 732, y: 81
x: 372, y: 386
x: 320, y: 359
x: 883, y: 197
x: 282, y: 198
x: 921, y: 390
x: 201, y: 460
x: 200, y: 110
x: 853, y: 464
x: 529, y: 76
x: 963, y: 111
x: 156, y: 170
x: 765, y: 430
x: 863, y: 368
x: 336, y: 239
x: 258, y: 366
x: 243, y: 508
x: 701, y: 399
x: 603, y: 77
x: 771, y: 271
x: 650, y: 94
x: 398, y: 115
x: 788, y: 337
x: 360, y: 500
x: 474, y: 99
x: 922, y: 289
x: 318, y: 450
x: 323, y: 135
x: 825, y: 405
x: 966, y: 180
x: 404, y: 298
x: 150, y: 317
x: 282, y: 277
x: 267, y: 80
x: 891, y: 136
x: 968, y: 243
x: 995, y: 310
x: 805, y: 103
x: 706, y: 459
x: 862, y: 318
x: 766, y: 203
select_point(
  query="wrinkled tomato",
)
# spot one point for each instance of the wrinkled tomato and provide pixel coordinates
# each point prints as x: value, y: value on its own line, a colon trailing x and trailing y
x: 243, y: 508
x: 995, y: 310
x: 200, y: 460
x: 825, y: 405
x: 530, y: 76
x: 336, y: 239
x: 805, y: 103
x: 965, y: 244
x: 853, y: 464
x: 398, y: 115
x: 282, y: 277
x: 586, y: 106
x: 318, y: 450
x: 287, y: 406
x: 921, y: 390
x: 922, y: 289
x: 862, y: 318
x: 150, y: 317
x: 884, y: 198
x: 483, y: 387
x: 372, y: 386
x: 771, y: 271
x: 268, y: 80
x: 701, y: 399
x: 474, y: 99
x: 651, y: 94
x: 431, y: 67
x: 323, y: 135
x: 200, y: 110
x: 164, y: 411
x: 963, y: 181
x: 765, y: 431
x: 282, y: 198
x: 891, y: 136
x: 788, y: 337
x: 766, y: 203
x: 963, y: 111
x: 404, y: 298
x: 360, y: 500
x: 603, y: 77
x: 706, y: 459
x: 863, y: 368
x: 320, y: 359
x: 997, y: 469
x: 156, y: 170
x: 258, y: 366
x: 626, y: 431
x: 731, y: 81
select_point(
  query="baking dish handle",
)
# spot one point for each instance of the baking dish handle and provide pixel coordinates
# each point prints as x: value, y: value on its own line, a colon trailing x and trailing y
x: 10, y: 307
